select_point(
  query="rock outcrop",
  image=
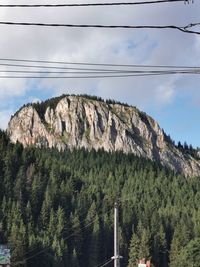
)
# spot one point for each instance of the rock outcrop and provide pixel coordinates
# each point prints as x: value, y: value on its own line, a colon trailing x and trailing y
x: 77, y: 122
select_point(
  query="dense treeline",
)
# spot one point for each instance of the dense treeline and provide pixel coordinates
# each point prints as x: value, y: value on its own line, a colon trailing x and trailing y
x: 57, y: 208
x: 52, y: 103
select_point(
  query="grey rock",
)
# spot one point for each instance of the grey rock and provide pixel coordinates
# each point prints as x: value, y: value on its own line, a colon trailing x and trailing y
x: 78, y: 122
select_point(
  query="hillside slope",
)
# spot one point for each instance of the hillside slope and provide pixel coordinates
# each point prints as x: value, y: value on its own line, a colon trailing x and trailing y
x: 56, y: 208
x: 77, y: 121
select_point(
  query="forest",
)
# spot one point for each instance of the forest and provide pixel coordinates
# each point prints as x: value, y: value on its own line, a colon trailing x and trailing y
x: 57, y: 208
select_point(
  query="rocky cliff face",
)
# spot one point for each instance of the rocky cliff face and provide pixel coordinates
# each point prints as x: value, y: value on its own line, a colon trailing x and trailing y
x: 77, y: 121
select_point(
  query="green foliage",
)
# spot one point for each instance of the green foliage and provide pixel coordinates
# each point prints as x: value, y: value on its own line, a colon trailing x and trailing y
x: 42, y: 106
x: 134, y: 251
x: 57, y: 208
x: 52, y: 103
x: 188, y: 150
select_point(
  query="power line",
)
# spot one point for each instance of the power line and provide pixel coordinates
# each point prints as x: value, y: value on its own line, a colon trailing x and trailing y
x: 65, y: 238
x: 92, y: 70
x: 65, y: 229
x: 185, y: 29
x: 182, y: 71
x: 84, y: 70
x: 91, y: 4
x: 66, y: 72
x: 94, y: 64
x: 50, y: 67
x: 43, y: 250
x: 100, y: 74
x: 95, y: 76
x: 105, y: 263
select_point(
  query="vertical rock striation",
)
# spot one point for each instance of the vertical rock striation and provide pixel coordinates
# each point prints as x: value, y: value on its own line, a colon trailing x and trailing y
x: 77, y: 122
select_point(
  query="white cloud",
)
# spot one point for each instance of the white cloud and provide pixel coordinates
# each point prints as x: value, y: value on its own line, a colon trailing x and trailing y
x: 34, y: 100
x: 101, y: 45
x: 10, y: 88
x: 165, y: 92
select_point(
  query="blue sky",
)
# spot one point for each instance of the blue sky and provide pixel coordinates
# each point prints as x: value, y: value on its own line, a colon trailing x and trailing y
x: 180, y: 119
x: 174, y: 101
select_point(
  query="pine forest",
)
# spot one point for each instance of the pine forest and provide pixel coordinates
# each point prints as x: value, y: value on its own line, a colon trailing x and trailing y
x: 57, y: 208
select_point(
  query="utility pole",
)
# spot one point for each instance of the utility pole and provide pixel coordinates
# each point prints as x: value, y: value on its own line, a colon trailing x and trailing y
x: 116, y: 256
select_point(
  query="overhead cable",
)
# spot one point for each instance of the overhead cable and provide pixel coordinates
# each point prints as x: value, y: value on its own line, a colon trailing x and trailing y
x: 23, y: 66
x: 182, y: 71
x: 38, y: 69
x: 92, y: 4
x: 95, y: 64
x: 185, y: 29
x: 105, y: 263
x: 43, y: 250
x: 66, y: 229
x: 49, y: 67
x: 94, y: 76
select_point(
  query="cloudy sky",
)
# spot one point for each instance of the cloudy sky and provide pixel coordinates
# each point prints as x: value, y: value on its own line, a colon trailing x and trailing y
x: 173, y: 100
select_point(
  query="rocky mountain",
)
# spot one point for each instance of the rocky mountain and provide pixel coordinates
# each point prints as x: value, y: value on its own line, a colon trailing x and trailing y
x: 80, y: 121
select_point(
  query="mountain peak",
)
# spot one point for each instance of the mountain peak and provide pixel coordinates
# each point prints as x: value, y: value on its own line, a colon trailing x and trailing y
x: 90, y: 122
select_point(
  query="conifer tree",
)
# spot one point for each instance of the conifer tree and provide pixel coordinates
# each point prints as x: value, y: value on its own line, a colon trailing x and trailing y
x: 94, y: 243
x: 75, y: 262
x: 134, y: 250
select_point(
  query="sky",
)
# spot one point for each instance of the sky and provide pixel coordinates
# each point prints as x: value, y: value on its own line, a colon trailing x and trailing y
x: 172, y: 100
